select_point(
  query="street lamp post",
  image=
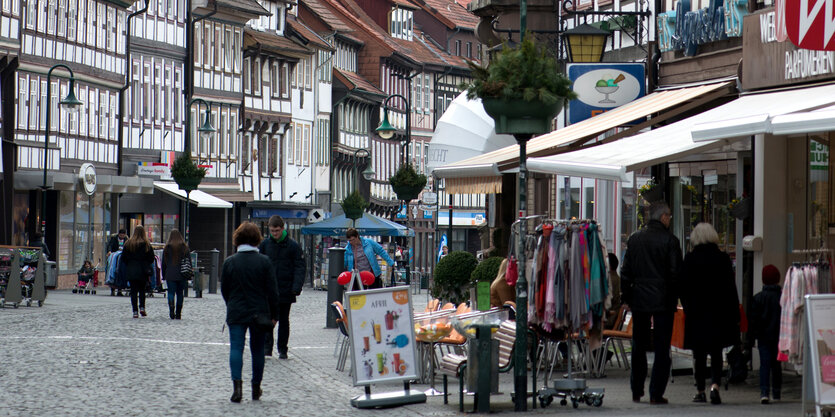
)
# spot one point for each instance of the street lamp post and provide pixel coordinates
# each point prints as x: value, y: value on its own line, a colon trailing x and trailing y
x: 386, y: 131
x: 71, y: 104
x: 368, y: 173
x: 205, y: 131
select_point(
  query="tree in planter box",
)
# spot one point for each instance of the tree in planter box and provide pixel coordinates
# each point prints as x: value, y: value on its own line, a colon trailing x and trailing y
x: 452, y: 277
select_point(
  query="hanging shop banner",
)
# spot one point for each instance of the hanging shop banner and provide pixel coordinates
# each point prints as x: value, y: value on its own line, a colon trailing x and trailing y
x: 382, y: 335
x: 603, y: 87
x: 819, y: 364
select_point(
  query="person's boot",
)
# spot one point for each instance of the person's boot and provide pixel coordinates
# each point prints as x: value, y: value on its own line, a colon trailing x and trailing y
x: 112, y: 292
x: 171, y: 309
x: 237, y: 394
x: 177, y: 315
x: 256, y: 391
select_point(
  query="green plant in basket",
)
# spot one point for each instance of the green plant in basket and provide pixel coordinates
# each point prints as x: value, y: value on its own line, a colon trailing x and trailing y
x: 186, y: 173
x: 354, y: 205
x: 524, y: 72
x: 407, y: 183
x: 452, y: 277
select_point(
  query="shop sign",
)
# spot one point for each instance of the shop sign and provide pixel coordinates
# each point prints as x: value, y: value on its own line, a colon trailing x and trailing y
x: 429, y: 198
x: 87, y: 177
x: 160, y: 169
x: 684, y: 30
x: 818, y: 161
x: 809, y: 23
x: 762, y: 49
x: 603, y: 87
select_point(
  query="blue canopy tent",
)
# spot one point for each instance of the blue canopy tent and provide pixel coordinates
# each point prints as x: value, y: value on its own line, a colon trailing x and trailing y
x: 367, y: 225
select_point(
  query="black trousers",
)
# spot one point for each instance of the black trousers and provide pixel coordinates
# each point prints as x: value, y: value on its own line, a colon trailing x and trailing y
x: 658, y: 328
x: 283, y: 327
x: 700, y: 365
x: 137, y: 290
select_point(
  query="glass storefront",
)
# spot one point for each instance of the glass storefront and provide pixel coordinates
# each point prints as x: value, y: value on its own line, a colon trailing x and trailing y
x: 818, y: 198
x: 84, y: 229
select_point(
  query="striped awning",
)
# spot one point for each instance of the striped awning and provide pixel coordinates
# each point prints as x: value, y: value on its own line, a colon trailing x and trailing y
x: 558, y: 141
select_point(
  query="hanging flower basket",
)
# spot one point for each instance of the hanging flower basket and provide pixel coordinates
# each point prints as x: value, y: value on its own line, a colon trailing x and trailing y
x: 741, y: 209
x: 186, y: 173
x: 407, y: 183
x: 354, y: 205
x: 520, y: 116
x: 653, y: 194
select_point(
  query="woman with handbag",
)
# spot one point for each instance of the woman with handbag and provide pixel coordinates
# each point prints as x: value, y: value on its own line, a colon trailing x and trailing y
x: 176, y: 270
x: 138, y: 258
x: 250, y: 291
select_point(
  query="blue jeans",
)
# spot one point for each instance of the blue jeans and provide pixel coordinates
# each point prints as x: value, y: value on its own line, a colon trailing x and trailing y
x: 770, y: 370
x: 178, y: 288
x: 237, y: 339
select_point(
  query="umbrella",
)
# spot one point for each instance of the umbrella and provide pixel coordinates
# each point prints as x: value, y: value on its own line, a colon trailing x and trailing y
x: 367, y: 225
x: 463, y: 131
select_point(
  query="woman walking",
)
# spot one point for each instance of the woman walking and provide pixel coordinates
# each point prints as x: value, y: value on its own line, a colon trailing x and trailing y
x: 711, y: 308
x: 175, y: 253
x: 250, y: 291
x: 138, y: 257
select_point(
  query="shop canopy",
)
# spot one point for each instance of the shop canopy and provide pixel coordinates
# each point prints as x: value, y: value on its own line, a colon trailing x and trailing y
x: 367, y: 225
x: 197, y: 197
x: 482, y: 174
x: 718, y: 127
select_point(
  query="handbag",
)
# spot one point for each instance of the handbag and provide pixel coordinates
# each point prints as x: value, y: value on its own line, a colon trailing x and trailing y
x: 512, y: 273
x: 262, y: 322
x: 186, y: 270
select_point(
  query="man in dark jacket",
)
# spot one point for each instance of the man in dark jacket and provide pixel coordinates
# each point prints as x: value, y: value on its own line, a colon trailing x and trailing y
x: 117, y: 241
x: 288, y: 263
x: 649, y: 279
x: 764, y: 323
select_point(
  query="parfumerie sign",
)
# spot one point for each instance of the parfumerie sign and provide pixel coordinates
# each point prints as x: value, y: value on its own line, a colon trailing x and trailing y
x: 762, y: 53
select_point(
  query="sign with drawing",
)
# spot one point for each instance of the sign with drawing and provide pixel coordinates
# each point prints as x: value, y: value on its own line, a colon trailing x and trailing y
x: 382, y: 335
x: 603, y: 87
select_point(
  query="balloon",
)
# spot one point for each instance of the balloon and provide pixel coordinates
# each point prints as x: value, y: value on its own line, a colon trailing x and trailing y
x: 344, y: 278
x: 367, y: 277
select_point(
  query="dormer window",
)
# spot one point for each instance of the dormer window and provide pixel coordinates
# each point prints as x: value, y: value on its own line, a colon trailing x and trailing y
x: 401, y: 23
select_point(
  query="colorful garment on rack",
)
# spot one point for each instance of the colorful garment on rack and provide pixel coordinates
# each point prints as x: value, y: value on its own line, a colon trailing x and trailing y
x: 801, y: 279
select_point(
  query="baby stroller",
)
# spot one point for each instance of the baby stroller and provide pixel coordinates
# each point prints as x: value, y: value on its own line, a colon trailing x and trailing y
x: 86, y: 283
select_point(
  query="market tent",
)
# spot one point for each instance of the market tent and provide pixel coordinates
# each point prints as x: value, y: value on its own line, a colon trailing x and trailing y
x: 367, y: 225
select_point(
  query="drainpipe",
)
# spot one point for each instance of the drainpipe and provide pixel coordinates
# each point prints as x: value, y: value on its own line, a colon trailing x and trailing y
x: 128, y: 66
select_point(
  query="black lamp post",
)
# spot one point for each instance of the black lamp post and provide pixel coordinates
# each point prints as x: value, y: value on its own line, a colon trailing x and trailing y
x: 205, y: 131
x: 71, y: 104
x: 386, y: 131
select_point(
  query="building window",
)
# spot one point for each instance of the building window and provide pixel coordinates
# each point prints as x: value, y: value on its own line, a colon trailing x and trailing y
x: 290, y: 144
x: 232, y: 135
x: 285, y: 80
x: 91, y: 23
x: 245, y: 152
x: 306, y: 146
x: 263, y: 155
x: 298, y: 144
x: 146, y: 92
x: 198, y: 42
x: 93, y: 115
x: 166, y: 95
x: 457, y: 48
x: 469, y: 49
x: 401, y: 23
x: 177, y: 115
x: 111, y: 29
x: 218, y: 47
x: 208, y: 45
x: 72, y: 19
x: 308, y: 72
x: 256, y: 77
x: 247, y: 76
x: 273, y: 141
x: 50, y: 27
x: 22, y: 107
x: 221, y: 133
x: 103, y: 96
x: 34, y: 107
x: 274, y: 87
x: 227, y: 49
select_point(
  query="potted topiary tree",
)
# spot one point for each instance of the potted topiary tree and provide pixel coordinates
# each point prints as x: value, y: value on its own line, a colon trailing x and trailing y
x: 407, y: 183
x: 482, y: 277
x: 452, y: 277
x: 354, y: 205
x: 186, y: 173
x: 521, y: 89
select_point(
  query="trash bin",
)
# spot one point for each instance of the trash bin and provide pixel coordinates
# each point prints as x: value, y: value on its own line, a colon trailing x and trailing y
x: 336, y: 263
x: 201, y: 281
x: 51, y: 273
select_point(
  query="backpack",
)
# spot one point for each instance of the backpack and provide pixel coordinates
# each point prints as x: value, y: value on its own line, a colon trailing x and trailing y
x: 737, y: 366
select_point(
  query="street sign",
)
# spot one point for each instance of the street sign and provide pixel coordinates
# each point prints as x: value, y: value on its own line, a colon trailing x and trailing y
x: 430, y: 198
x: 808, y: 23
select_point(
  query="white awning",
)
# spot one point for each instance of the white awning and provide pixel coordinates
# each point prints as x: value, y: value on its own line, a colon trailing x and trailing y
x: 556, y: 141
x: 201, y: 199
x: 756, y: 114
x: 739, y: 118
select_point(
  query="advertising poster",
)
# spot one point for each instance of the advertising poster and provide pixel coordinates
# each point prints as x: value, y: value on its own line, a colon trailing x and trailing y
x: 821, y: 313
x: 382, y: 335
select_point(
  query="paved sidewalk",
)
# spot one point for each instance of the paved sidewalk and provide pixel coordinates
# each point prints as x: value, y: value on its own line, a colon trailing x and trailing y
x: 84, y: 355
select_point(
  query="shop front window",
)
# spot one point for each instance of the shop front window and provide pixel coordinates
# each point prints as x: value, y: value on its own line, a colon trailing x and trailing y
x: 818, y: 190
x: 65, y: 232
x: 153, y: 228
x: 169, y: 223
x: 573, y: 197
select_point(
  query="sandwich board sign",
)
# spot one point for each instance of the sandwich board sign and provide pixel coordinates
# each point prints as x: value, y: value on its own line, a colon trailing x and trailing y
x: 819, y: 361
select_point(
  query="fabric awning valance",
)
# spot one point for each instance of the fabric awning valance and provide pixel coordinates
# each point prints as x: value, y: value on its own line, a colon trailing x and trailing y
x: 201, y: 199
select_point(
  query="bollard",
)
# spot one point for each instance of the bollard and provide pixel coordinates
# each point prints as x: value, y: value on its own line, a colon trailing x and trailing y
x: 198, y: 282
x: 336, y: 263
x: 213, y: 274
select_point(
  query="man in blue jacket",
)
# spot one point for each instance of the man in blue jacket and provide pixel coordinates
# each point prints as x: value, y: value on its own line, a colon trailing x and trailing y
x: 363, y: 252
x: 288, y: 264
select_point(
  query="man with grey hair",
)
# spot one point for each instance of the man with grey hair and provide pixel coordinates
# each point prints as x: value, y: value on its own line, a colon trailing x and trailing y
x: 649, y: 280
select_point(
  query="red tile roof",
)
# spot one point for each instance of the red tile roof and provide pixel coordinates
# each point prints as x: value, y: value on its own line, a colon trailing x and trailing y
x: 308, y: 34
x: 327, y: 17
x: 450, y: 13
x: 356, y: 81
x: 276, y: 43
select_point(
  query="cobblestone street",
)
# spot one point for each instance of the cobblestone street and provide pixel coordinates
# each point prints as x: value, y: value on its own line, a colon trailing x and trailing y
x: 84, y: 355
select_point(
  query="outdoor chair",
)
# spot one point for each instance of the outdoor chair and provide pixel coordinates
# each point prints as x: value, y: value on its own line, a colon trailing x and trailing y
x: 342, y: 324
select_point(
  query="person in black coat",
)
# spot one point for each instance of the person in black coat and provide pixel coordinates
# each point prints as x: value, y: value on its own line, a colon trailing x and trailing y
x: 249, y: 290
x: 138, y: 258
x: 649, y: 278
x: 764, y: 325
x: 288, y: 264
x: 711, y: 308
x: 176, y: 251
